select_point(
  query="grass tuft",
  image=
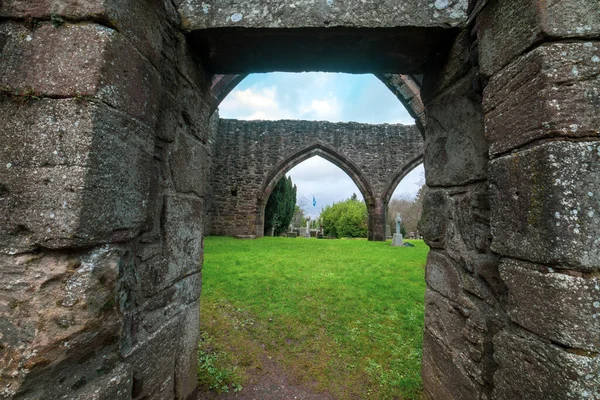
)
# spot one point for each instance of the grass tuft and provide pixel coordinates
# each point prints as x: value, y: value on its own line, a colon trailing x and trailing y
x: 214, y: 368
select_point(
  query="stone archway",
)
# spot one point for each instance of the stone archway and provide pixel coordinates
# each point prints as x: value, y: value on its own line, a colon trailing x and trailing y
x: 328, y: 154
x: 107, y: 147
x: 251, y: 153
x: 391, y: 187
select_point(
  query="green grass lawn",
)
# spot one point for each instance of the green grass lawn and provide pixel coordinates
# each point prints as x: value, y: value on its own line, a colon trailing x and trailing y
x: 342, y: 316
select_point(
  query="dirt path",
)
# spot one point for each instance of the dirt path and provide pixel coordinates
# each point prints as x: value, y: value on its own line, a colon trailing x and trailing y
x: 270, y: 383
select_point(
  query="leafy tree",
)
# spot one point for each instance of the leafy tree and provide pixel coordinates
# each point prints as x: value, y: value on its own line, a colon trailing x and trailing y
x: 280, y: 207
x: 298, y: 220
x: 345, y: 219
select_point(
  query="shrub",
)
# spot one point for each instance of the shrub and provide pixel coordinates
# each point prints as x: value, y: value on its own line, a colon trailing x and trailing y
x: 345, y: 219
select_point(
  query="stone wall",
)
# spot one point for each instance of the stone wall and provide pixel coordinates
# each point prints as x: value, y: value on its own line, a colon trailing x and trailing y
x: 251, y: 156
x: 542, y: 122
x: 103, y: 107
x: 106, y: 151
x: 511, y: 159
x: 463, y: 300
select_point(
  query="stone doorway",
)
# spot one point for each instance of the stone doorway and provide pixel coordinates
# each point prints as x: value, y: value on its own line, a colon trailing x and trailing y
x: 106, y: 146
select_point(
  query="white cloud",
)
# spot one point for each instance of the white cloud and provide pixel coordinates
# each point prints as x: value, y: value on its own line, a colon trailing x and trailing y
x: 325, y: 181
x: 253, y: 103
x: 328, y: 109
x: 264, y: 103
x: 405, y: 120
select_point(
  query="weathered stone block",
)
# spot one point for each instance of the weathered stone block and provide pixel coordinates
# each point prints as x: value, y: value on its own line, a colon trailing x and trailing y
x: 48, y: 62
x: 183, y: 236
x: 441, y: 378
x: 153, y: 361
x: 507, y: 28
x: 456, y: 150
x: 40, y: 206
x: 189, y: 165
x: 188, y: 289
x: 485, y: 266
x: 167, y: 304
x: 529, y: 368
x: 75, y: 174
x: 44, y: 9
x: 445, y: 319
x: 434, y: 219
x: 443, y: 275
x: 471, y: 215
x: 59, y: 319
x: 152, y: 272
x: 554, y: 305
x: 309, y: 13
x: 186, y: 363
x: 184, y: 104
x: 142, y: 21
x: 46, y: 133
x: 553, y: 91
x: 545, y: 206
x: 116, y: 385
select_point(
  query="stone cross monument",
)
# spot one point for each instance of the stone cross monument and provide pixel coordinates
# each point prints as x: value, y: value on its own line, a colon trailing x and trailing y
x: 307, y: 233
x: 397, y: 239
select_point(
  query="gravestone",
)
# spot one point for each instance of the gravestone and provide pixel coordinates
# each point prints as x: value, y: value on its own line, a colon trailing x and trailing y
x: 388, y: 232
x: 397, y: 240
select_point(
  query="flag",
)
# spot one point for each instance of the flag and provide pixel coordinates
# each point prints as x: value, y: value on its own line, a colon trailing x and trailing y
x: 314, y: 202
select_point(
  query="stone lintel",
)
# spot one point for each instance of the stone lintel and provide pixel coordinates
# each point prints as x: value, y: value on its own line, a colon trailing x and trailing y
x: 198, y: 14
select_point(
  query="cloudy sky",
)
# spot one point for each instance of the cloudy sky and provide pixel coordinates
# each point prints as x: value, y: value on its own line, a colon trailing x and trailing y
x: 326, y: 97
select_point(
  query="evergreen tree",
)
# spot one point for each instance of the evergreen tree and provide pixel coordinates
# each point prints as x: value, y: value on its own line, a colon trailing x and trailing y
x: 280, y: 207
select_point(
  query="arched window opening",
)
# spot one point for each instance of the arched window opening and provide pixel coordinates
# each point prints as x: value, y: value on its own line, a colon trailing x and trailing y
x: 320, y: 184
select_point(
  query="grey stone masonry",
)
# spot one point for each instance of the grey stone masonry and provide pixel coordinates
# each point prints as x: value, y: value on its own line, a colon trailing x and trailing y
x: 252, y: 155
x: 198, y: 14
x: 112, y: 170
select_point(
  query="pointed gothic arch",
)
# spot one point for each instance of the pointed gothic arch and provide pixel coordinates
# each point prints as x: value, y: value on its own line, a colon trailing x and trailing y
x: 316, y: 149
x: 408, y: 168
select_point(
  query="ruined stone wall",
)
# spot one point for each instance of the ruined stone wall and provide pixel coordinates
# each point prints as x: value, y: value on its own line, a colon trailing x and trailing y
x: 252, y: 155
x: 211, y: 148
x: 102, y: 108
